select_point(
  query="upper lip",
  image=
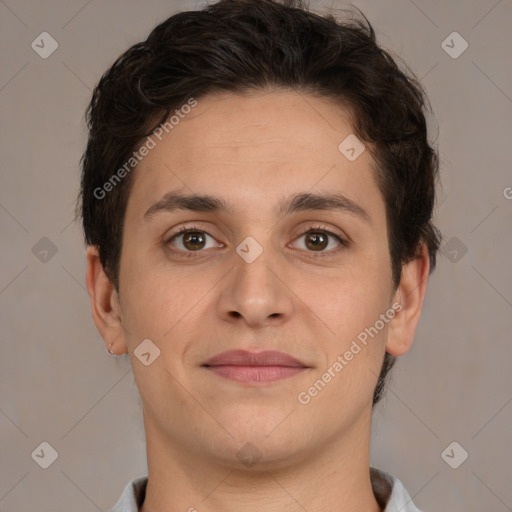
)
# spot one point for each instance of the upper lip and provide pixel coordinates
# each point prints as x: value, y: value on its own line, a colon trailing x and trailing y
x: 246, y: 358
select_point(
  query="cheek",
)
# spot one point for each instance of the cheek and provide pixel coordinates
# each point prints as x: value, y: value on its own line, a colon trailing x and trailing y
x: 152, y: 307
x: 345, y: 384
x: 168, y: 305
x: 351, y: 298
x: 351, y: 306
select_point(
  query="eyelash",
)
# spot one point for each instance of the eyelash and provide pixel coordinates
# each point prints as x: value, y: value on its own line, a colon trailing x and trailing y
x: 312, y: 229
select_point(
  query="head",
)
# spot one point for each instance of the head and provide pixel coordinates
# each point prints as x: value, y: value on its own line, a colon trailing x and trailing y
x: 248, y: 101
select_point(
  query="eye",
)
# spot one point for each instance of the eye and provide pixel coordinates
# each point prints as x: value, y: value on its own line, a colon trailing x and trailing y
x: 320, y: 240
x: 192, y: 239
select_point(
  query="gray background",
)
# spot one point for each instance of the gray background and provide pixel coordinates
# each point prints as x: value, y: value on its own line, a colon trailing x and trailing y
x: 57, y: 382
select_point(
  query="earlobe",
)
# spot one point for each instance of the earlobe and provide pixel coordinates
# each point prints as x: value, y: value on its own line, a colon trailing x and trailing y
x: 410, y: 294
x: 106, y: 310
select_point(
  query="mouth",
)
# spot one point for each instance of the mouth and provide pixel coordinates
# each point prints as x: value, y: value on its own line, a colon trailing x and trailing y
x: 254, y: 367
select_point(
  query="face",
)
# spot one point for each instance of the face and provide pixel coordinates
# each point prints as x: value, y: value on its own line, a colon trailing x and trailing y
x: 288, y: 253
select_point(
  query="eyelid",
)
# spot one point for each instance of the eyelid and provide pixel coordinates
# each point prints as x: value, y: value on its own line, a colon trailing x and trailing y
x: 320, y: 226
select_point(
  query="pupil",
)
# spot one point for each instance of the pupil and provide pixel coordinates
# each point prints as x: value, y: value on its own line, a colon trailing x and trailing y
x: 316, y: 240
x: 193, y: 239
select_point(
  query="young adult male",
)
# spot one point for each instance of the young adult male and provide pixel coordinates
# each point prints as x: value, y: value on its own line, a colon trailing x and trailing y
x: 257, y: 194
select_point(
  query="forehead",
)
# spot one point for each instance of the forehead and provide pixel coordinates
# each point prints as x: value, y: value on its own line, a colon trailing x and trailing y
x: 270, y: 125
x: 254, y: 146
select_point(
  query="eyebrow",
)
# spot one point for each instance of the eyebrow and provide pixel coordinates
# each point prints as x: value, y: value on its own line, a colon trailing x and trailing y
x: 173, y: 201
x: 327, y: 202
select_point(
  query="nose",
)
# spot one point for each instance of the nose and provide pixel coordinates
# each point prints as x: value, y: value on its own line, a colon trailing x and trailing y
x: 256, y: 293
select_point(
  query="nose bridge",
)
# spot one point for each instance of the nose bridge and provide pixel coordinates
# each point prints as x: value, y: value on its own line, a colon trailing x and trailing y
x: 254, y: 292
x: 256, y: 279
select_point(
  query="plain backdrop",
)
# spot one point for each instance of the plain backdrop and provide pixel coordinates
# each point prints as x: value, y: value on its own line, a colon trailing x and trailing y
x: 59, y: 385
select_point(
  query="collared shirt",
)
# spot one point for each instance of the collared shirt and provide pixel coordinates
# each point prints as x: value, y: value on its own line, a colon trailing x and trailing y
x: 389, y: 492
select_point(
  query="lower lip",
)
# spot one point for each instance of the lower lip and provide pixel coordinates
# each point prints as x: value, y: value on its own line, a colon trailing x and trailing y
x: 255, y: 374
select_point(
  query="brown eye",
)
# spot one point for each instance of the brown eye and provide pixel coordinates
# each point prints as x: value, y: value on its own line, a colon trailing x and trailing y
x: 316, y: 241
x: 190, y: 240
x: 320, y: 241
x: 194, y: 240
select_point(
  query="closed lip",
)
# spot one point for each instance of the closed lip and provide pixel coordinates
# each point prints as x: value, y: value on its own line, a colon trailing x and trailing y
x: 247, y: 358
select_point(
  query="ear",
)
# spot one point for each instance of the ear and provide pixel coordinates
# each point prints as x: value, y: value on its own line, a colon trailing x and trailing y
x: 106, y: 309
x: 410, y: 295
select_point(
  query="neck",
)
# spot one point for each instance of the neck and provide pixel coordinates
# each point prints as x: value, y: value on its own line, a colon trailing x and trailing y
x: 335, y: 478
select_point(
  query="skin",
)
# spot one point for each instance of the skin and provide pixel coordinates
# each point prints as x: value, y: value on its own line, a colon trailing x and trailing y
x: 251, y: 151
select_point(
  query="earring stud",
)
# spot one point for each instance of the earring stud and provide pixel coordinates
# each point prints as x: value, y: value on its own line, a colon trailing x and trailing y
x: 110, y: 351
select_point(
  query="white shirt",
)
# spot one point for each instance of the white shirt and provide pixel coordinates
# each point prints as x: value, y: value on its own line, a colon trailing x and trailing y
x: 388, y: 490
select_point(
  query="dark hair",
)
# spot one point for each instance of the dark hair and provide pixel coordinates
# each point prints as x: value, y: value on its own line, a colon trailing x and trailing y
x: 244, y: 45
